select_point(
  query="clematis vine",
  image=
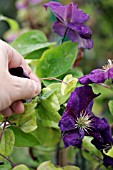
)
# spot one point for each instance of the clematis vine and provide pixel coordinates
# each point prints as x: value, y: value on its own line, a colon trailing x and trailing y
x: 98, y: 75
x: 70, y: 21
x: 78, y: 121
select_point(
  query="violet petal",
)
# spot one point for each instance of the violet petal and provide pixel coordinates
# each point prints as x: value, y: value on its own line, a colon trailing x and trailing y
x: 59, y: 28
x: 80, y: 99
x: 67, y: 122
x: 73, y: 138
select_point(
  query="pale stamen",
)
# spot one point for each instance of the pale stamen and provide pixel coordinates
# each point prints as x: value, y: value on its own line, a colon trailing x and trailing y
x: 108, y: 65
x: 84, y: 122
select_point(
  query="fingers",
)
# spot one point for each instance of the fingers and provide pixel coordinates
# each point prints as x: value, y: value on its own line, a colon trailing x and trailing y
x: 16, y: 107
x: 22, y: 88
x: 7, y: 112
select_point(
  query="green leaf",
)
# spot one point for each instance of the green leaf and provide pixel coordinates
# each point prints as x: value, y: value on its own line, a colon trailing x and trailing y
x: 47, y: 93
x: 48, y: 166
x: 47, y: 114
x: 24, y: 139
x: 92, y: 151
x: 48, y: 123
x: 48, y: 137
x: 50, y: 102
x: 35, y: 54
x: 31, y: 41
x: 48, y: 109
x: 71, y: 152
x: 6, y: 165
x: 57, y: 88
x: 71, y: 168
x: 20, y: 167
x: 105, y: 168
x: 1, y: 118
x: 110, y: 104
x: 7, y: 142
x: 68, y: 84
x: 56, y: 61
x: 14, y: 26
x: 27, y: 120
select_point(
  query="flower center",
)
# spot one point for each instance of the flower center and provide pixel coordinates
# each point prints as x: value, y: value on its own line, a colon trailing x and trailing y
x: 108, y: 65
x: 84, y: 122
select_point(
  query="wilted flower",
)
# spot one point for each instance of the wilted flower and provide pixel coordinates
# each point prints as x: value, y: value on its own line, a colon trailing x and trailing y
x: 70, y: 22
x: 78, y: 119
x: 98, y: 75
x: 19, y: 72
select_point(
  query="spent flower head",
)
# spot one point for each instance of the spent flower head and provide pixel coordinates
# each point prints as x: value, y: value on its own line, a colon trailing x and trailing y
x: 19, y: 72
x: 70, y: 21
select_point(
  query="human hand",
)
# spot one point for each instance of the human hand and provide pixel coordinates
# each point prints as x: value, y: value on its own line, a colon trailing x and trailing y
x: 13, y: 89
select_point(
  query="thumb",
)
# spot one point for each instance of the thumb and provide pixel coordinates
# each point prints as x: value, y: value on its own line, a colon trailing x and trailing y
x: 23, y: 88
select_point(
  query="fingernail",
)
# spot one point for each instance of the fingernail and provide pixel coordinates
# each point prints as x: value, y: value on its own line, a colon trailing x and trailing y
x: 37, y: 87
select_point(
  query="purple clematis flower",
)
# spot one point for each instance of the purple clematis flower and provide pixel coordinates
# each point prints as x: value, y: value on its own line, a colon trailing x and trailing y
x: 70, y: 21
x: 78, y: 119
x: 98, y: 75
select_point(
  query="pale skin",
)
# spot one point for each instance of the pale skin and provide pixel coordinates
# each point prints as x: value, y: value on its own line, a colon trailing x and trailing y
x: 13, y: 89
